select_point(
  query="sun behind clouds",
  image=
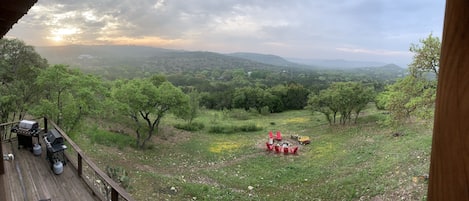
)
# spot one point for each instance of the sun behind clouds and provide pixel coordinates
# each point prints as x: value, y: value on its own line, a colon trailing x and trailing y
x: 64, y: 34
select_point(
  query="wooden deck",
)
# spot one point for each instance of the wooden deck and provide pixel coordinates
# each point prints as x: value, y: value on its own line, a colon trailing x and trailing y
x: 30, y: 178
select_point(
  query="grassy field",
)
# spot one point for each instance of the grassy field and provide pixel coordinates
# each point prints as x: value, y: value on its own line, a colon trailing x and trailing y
x: 363, y: 161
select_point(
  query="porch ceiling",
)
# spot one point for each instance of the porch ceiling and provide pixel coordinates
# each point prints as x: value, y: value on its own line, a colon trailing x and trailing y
x: 11, y: 11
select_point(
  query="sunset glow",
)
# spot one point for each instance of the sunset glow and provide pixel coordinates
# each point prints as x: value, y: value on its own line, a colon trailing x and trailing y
x: 355, y: 30
x: 61, y: 34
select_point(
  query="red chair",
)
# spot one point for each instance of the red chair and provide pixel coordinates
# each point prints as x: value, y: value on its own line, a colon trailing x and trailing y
x: 294, y: 150
x: 277, y: 149
x: 279, y: 136
x: 269, y: 146
x: 271, y: 135
x: 285, y: 150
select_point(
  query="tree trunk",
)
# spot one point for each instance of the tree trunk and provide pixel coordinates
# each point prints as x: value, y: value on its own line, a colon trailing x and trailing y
x: 137, y: 130
x: 335, y: 115
x: 149, y: 134
x: 356, y: 116
x: 449, y: 167
x: 138, y: 138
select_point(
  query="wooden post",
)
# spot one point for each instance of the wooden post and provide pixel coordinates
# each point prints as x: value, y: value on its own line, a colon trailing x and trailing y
x: 3, y: 131
x: 2, y: 168
x: 45, y: 125
x: 80, y: 165
x: 2, y: 165
x: 114, y: 195
x: 449, y: 164
x: 3, y: 194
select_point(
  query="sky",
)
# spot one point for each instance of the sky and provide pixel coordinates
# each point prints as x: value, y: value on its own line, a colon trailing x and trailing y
x: 359, y: 30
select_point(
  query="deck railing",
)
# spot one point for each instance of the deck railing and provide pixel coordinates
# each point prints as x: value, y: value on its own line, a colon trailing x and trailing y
x: 99, y: 182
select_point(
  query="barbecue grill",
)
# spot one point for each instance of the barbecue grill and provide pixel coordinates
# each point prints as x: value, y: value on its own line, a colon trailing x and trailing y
x: 25, y: 131
x: 55, y: 150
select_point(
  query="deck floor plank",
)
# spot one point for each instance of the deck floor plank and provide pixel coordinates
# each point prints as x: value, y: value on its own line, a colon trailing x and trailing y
x: 38, y: 179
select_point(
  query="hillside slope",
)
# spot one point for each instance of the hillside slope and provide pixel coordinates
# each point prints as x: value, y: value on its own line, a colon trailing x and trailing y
x: 114, y: 61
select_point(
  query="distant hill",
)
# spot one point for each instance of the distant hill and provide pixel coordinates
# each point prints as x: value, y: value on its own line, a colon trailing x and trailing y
x: 81, y: 56
x: 336, y: 63
x: 132, y: 60
x: 385, y: 72
x: 121, y: 61
x: 72, y: 53
x: 264, y: 58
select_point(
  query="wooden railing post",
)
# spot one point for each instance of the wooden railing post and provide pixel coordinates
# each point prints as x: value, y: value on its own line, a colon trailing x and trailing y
x: 114, y: 195
x: 45, y: 124
x: 2, y: 167
x: 80, y: 165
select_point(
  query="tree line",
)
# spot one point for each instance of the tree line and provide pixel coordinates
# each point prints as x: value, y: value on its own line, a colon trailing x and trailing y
x: 29, y: 85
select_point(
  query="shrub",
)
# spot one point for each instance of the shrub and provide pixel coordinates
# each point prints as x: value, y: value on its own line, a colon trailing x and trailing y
x: 249, y: 128
x: 119, y: 175
x: 221, y: 129
x: 109, y: 138
x: 190, y: 127
x: 228, y: 129
x: 238, y: 114
x: 265, y: 110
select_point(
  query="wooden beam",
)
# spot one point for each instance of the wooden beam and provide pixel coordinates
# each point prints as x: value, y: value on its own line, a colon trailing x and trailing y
x: 2, y: 172
x: 11, y: 11
x: 449, y: 164
x: 3, y: 193
x: 2, y: 165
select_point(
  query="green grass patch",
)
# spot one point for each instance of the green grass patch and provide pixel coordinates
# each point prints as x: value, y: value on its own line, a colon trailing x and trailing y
x: 361, y: 161
x: 190, y: 127
x: 107, y: 138
x: 229, y: 129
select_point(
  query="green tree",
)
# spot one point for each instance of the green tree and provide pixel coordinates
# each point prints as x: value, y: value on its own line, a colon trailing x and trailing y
x: 20, y: 64
x: 247, y: 98
x: 426, y: 56
x: 7, y: 102
x: 256, y: 98
x: 320, y: 103
x: 344, y: 98
x: 362, y: 96
x: 279, y: 92
x: 190, y: 113
x: 414, y: 95
x: 219, y: 96
x: 410, y: 96
x: 55, y: 82
x: 141, y: 99
x: 296, y: 97
x: 68, y: 95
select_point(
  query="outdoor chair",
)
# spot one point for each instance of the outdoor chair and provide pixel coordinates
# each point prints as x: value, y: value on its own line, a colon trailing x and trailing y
x: 294, y: 150
x: 269, y: 146
x: 277, y: 149
x: 279, y: 136
x: 285, y: 150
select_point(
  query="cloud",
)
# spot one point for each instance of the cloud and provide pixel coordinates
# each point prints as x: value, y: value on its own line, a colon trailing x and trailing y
x: 373, y: 52
x: 294, y: 27
x: 144, y: 41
